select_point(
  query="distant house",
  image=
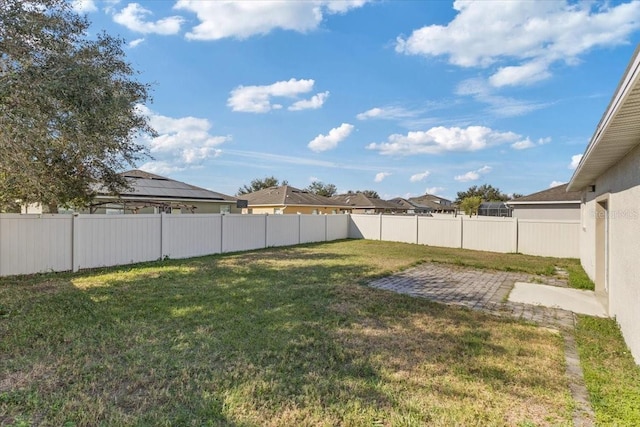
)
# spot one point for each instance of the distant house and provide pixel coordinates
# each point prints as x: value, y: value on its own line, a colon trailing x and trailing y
x: 413, y: 208
x: 436, y: 203
x: 360, y: 203
x: 609, y: 178
x: 554, y: 203
x: 150, y: 193
x: 289, y: 200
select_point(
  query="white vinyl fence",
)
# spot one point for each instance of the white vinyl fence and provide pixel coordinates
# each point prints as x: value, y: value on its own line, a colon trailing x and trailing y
x: 41, y: 243
x: 558, y: 239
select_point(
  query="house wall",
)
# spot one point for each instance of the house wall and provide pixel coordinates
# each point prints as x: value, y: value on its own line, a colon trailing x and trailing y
x: 201, y: 208
x: 562, y: 212
x: 620, y: 188
x: 292, y: 210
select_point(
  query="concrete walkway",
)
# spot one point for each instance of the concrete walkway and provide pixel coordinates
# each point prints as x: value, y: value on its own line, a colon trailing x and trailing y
x: 544, y: 300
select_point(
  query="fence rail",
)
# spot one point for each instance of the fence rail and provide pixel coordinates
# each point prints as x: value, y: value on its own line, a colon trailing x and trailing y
x: 558, y: 239
x: 40, y: 243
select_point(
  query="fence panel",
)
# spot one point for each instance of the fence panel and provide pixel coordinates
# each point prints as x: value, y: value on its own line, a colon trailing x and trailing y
x: 549, y: 238
x: 337, y: 227
x: 283, y: 230
x: 490, y: 234
x: 35, y: 243
x: 105, y: 240
x: 243, y: 232
x: 399, y: 229
x: 444, y: 231
x: 185, y: 236
x: 313, y: 228
x: 364, y: 227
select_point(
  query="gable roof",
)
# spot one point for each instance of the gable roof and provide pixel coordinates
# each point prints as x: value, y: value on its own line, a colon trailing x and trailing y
x: 434, y: 202
x: 362, y: 201
x: 618, y: 131
x: 147, y: 186
x: 286, y: 195
x: 408, y: 204
x: 557, y: 194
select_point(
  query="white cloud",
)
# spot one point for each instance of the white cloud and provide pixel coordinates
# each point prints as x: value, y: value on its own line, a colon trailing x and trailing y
x: 575, y: 161
x: 501, y: 106
x: 435, y: 191
x: 160, y: 168
x: 380, y: 176
x: 523, y: 145
x: 556, y: 183
x: 315, y: 102
x: 183, y: 141
x: 419, y: 176
x: 473, y: 175
x: 330, y: 141
x: 84, y: 6
x: 133, y: 17
x: 135, y: 43
x: 534, y: 35
x: 387, y: 113
x: 469, y: 176
x: 257, y: 99
x: 243, y: 19
x: 441, y: 139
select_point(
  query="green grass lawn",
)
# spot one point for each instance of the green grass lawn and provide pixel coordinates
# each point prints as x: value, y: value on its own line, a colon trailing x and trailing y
x: 276, y: 337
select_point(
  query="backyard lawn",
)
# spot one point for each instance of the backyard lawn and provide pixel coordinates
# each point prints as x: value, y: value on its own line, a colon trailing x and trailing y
x: 275, y: 337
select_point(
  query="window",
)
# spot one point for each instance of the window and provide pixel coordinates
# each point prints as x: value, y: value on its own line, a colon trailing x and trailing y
x: 225, y: 209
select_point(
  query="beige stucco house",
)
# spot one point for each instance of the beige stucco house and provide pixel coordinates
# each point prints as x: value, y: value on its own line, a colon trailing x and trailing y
x: 555, y: 203
x: 609, y: 177
x: 286, y: 199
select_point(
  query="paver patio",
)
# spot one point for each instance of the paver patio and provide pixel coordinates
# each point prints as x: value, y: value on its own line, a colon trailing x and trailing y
x: 487, y: 291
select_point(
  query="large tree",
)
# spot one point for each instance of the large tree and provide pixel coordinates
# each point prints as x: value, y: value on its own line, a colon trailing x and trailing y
x: 486, y: 192
x: 68, y: 112
x: 322, y: 189
x: 258, y: 184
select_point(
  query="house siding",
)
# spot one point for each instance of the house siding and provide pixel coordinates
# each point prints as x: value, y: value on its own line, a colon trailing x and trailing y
x: 561, y: 211
x: 620, y: 188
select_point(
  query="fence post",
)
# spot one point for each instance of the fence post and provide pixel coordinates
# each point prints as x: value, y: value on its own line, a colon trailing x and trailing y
x: 162, y: 233
x: 221, y: 233
x: 299, y: 228
x: 326, y: 227
x: 380, y: 231
x: 517, y: 243
x: 417, y: 230
x: 461, y: 232
x: 266, y: 231
x: 75, y: 242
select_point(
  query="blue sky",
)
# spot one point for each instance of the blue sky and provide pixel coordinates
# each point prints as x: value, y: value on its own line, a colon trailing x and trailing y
x: 400, y: 97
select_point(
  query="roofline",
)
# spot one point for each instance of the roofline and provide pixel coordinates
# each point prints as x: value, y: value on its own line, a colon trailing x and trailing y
x: 548, y: 202
x: 624, y: 86
x: 251, y: 205
x: 164, y: 199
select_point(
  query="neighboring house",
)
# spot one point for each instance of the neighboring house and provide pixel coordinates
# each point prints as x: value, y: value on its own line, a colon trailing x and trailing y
x: 289, y: 200
x: 555, y: 203
x: 413, y: 208
x: 360, y: 203
x: 609, y: 177
x: 150, y: 193
x: 436, y: 203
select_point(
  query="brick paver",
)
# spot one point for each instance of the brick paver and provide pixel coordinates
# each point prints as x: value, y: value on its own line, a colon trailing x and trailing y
x: 476, y: 289
x: 488, y: 291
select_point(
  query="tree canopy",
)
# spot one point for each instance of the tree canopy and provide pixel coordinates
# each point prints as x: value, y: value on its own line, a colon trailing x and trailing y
x: 258, y: 184
x: 369, y: 193
x: 322, y: 189
x: 486, y: 192
x: 470, y: 205
x: 68, y: 107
